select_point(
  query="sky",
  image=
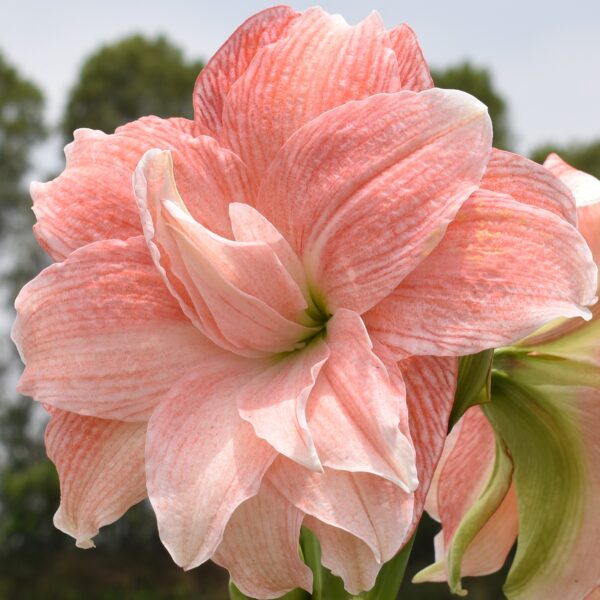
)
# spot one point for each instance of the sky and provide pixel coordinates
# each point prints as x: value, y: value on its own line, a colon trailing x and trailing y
x: 545, y: 56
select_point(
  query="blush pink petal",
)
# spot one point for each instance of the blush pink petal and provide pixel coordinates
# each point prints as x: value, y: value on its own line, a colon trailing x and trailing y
x: 322, y: 62
x: 412, y: 66
x: 92, y: 198
x: 231, y: 61
x: 354, y: 409
x: 100, y: 334
x: 231, y: 290
x: 260, y: 546
x: 365, y: 191
x: 370, y: 508
x: 274, y: 402
x: 503, y: 269
x: 100, y: 465
x: 202, y: 459
x: 530, y: 183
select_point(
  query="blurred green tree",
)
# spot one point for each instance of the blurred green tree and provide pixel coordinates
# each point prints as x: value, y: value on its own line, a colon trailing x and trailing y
x: 583, y: 156
x: 131, y: 78
x: 479, y: 82
x: 21, y: 125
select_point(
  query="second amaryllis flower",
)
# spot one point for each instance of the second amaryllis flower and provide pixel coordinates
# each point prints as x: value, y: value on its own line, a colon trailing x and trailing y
x: 245, y: 334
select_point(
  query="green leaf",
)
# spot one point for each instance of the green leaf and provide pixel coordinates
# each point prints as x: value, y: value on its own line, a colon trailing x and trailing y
x: 473, y: 384
x: 538, y: 426
x: 391, y: 575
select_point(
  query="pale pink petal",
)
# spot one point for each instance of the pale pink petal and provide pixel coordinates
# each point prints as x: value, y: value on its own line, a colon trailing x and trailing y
x: 461, y: 477
x: 231, y: 61
x: 368, y: 507
x: 529, y: 182
x: 354, y: 409
x: 466, y: 470
x: 202, y: 459
x: 274, y: 402
x: 413, y: 69
x: 248, y: 225
x: 260, y: 546
x: 503, y: 269
x: 585, y: 187
x: 489, y: 549
x: 365, y: 191
x: 233, y: 291
x: 322, y: 62
x: 100, y: 334
x: 430, y: 387
x: 93, y: 199
x: 345, y: 556
x: 586, y: 190
x: 100, y: 465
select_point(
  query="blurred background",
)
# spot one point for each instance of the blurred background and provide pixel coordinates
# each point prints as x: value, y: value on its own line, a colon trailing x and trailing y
x: 68, y: 64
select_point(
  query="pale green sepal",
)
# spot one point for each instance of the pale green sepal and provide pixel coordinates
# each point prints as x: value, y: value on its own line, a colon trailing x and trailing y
x: 430, y: 573
x: 391, y: 575
x: 542, y: 370
x: 539, y: 430
x: 473, y: 383
x: 477, y: 516
x: 297, y: 594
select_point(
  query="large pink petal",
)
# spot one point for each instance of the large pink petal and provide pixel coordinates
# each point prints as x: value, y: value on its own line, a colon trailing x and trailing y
x: 413, y: 69
x: 238, y: 293
x: 231, y: 61
x: 529, y: 182
x: 503, y: 269
x: 322, y: 62
x: 366, y: 191
x: 354, y: 409
x: 274, y: 402
x: 93, y: 199
x: 202, y: 459
x: 260, y: 546
x: 100, y: 334
x: 100, y: 465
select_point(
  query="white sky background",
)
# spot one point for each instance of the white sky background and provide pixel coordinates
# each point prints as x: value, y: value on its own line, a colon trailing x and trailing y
x: 545, y: 56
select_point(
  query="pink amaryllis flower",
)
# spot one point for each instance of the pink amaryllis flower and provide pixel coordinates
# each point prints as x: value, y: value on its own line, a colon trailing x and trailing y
x: 528, y: 469
x: 262, y: 332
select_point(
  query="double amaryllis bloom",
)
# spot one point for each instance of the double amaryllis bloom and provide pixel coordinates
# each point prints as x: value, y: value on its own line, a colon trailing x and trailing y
x: 525, y: 466
x: 261, y: 331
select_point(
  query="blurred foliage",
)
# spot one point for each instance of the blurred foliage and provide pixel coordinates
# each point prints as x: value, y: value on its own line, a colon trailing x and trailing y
x: 585, y: 157
x: 479, y: 82
x: 129, y: 79
x: 21, y: 125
